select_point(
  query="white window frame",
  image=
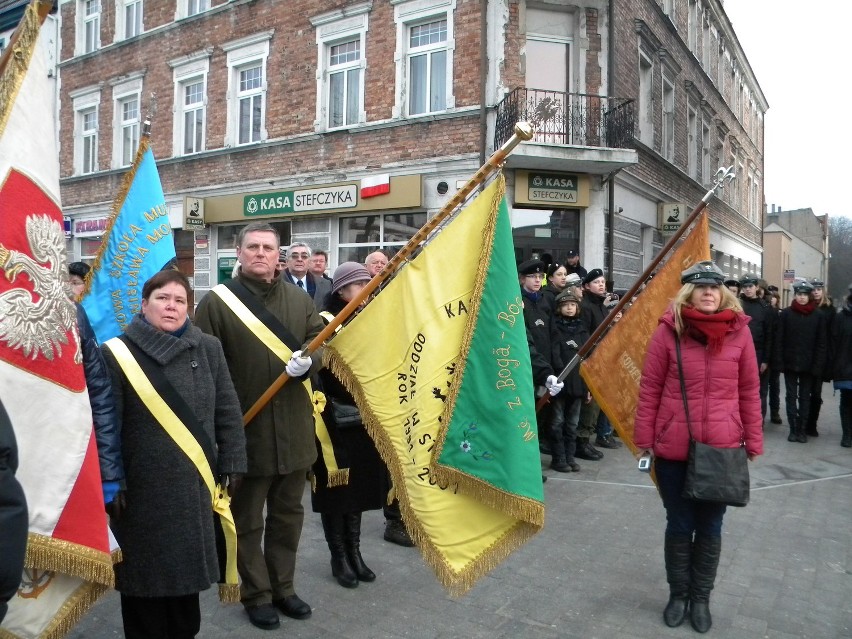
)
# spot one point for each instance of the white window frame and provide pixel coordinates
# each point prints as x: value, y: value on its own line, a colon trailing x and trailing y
x: 408, y: 13
x: 692, y: 140
x: 242, y: 54
x: 669, y: 8
x: 85, y: 100
x: 185, y: 8
x: 332, y: 29
x: 188, y: 70
x: 121, y: 6
x: 667, y: 109
x: 121, y: 93
x: 706, y: 170
x: 83, y: 22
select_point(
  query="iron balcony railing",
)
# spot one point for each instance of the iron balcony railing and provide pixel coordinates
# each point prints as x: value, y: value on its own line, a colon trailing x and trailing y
x: 576, y: 119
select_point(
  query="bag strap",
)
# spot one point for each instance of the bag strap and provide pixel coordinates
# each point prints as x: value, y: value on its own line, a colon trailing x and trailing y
x: 682, y: 385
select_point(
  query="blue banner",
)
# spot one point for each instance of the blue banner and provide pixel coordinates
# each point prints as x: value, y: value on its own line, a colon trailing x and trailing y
x: 139, y: 243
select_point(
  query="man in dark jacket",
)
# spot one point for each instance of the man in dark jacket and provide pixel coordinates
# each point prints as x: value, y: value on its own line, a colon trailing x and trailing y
x: 572, y: 264
x: 13, y: 516
x: 761, y: 331
x: 297, y: 262
x: 280, y: 438
x: 841, y: 366
x: 592, y: 314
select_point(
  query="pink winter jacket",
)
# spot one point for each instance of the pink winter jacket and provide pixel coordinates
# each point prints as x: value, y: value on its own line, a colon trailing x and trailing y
x: 723, y: 391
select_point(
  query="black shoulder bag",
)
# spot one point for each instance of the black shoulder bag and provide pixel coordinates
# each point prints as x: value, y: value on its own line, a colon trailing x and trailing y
x: 713, y: 474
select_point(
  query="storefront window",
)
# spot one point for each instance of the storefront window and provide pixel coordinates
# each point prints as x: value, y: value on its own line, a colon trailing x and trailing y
x: 89, y: 248
x: 536, y: 232
x: 361, y: 235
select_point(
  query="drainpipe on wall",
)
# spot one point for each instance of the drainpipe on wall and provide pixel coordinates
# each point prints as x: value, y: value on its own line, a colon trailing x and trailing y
x: 483, y: 78
x: 610, y: 62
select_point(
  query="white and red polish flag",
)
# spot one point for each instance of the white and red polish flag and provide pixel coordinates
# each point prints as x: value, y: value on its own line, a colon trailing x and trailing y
x: 375, y: 185
x: 42, y: 385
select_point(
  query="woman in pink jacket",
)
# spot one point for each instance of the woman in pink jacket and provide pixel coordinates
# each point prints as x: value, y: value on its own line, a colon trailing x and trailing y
x: 722, y: 388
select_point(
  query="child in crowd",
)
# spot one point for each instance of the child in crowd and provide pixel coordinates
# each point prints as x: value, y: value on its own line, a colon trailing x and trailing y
x: 568, y: 334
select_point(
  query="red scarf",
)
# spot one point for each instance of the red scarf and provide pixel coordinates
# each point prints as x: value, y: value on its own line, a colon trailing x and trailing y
x: 711, y: 328
x: 804, y: 309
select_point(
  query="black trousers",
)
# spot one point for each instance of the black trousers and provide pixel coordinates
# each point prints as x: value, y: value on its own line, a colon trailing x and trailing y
x: 774, y: 391
x: 161, y: 617
x: 798, y: 388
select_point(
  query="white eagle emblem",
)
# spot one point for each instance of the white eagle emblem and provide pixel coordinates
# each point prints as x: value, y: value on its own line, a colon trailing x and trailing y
x: 39, y: 322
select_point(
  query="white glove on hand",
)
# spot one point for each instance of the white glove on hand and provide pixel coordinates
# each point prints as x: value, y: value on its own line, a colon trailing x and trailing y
x: 553, y: 385
x: 298, y: 365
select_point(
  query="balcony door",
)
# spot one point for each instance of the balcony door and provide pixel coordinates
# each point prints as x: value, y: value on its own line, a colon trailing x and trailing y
x: 548, y: 72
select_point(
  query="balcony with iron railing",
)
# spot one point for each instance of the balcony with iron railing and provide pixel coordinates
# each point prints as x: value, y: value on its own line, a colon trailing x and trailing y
x: 573, y: 131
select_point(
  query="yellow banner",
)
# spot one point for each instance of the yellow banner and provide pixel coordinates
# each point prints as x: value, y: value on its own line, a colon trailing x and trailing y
x: 613, y: 370
x: 400, y: 358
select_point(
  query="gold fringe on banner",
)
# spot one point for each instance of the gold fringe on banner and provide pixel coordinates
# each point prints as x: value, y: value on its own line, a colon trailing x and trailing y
x: 69, y: 614
x: 16, y: 59
x: 229, y: 593
x: 46, y: 553
x: 117, y: 204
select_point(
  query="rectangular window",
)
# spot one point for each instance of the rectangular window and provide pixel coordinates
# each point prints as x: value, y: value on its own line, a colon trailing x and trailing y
x: 193, y: 116
x: 427, y: 67
x: 705, y: 155
x: 89, y: 139
x: 129, y: 125
x: 359, y: 236
x: 91, y: 25
x: 667, y: 148
x: 250, y: 101
x: 646, y: 101
x: 194, y: 7
x: 344, y: 82
x: 132, y: 18
x: 693, y: 143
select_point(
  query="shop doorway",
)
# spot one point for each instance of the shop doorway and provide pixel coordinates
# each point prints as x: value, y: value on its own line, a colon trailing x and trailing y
x: 545, y: 234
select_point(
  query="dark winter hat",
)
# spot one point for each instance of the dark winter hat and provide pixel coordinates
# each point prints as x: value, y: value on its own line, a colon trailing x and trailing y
x: 553, y: 268
x: 745, y: 280
x: 772, y: 288
x: 817, y: 283
x: 80, y: 269
x: 732, y: 282
x: 531, y: 267
x: 347, y: 273
x: 572, y: 253
x: 592, y: 275
x: 803, y: 287
x: 705, y: 272
x: 567, y: 296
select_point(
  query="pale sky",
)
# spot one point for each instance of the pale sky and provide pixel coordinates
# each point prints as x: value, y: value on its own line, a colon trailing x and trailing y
x: 799, y: 54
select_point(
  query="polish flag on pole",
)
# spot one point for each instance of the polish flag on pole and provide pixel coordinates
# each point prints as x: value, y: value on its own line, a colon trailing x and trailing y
x: 375, y: 185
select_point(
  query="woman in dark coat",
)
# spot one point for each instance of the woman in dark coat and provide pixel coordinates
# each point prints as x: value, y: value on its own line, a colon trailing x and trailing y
x: 800, y: 352
x: 166, y: 528
x: 826, y: 308
x: 841, y: 366
x: 721, y: 381
x: 352, y: 478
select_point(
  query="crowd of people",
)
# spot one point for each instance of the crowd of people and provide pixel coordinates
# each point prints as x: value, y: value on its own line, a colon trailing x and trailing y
x: 246, y: 332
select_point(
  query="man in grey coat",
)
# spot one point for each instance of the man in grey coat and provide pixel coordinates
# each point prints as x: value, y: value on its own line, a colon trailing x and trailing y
x: 280, y: 438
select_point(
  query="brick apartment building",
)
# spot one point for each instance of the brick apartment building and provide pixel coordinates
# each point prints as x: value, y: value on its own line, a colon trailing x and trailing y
x: 278, y: 110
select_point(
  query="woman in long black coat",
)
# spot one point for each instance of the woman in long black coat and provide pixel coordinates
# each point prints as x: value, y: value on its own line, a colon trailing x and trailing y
x: 354, y: 478
x: 166, y: 527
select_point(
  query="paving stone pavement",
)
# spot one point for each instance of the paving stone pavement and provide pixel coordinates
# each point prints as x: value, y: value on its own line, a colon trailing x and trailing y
x: 596, y: 570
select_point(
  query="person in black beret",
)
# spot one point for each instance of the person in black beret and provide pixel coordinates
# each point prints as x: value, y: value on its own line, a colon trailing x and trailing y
x: 592, y: 314
x: 572, y: 264
x: 761, y: 331
x: 826, y: 308
x: 733, y: 285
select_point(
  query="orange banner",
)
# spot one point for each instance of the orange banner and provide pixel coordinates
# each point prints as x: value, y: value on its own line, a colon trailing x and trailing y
x: 613, y: 370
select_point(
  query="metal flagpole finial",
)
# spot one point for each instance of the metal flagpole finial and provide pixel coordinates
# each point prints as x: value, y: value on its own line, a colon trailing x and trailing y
x: 723, y: 175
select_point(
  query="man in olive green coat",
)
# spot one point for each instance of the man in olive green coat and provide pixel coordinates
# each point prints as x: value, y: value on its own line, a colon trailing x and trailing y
x: 280, y: 439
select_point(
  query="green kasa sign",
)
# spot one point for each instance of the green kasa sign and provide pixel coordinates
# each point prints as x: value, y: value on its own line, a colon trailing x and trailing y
x: 301, y: 200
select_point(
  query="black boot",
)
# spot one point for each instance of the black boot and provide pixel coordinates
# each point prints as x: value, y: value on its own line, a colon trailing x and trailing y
x: 775, y: 417
x: 678, y: 554
x: 801, y: 435
x: 792, y: 437
x: 333, y: 527
x: 353, y: 547
x: 705, y: 561
x: 558, y: 462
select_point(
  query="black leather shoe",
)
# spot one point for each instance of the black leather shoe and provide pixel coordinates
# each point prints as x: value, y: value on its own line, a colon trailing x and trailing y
x: 396, y: 533
x: 293, y: 607
x: 585, y: 451
x: 676, y: 610
x: 607, y: 442
x: 775, y: 418
x: 263, y: 616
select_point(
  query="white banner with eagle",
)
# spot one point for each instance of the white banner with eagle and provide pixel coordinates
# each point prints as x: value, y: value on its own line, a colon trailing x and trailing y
x: 42, y: 384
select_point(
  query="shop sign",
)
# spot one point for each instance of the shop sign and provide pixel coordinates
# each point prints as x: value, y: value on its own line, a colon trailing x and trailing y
x: 553, y: 187
x: 90, y: 227
x: 193, y: 213
x: 671, y: 217
x: 301, y: 200
x: 789, y: 276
